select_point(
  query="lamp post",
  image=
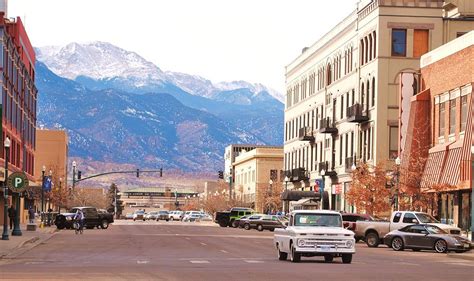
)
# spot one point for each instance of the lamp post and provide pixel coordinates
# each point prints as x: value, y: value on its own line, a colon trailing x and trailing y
x: 285, y: 203
x: 6, y: 144
x: 74, y: 165
x: 398, y: 161
x: 323, y: 173
x: 60, y: 195
x: 43, y: 170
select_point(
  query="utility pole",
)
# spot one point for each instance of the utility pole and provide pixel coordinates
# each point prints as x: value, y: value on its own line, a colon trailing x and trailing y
x: 115, y: 203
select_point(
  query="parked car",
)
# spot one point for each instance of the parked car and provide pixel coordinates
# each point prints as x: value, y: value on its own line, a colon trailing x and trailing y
x: 176, y: 215
x: 153, y: 215
x: 163, y: 215
x: 129, y: 216
x: 426, y: 237
x: 245, y: 223
x: 139, y: 215
x: 227, y: 218
x: 92, y: 219
x: 269, y: 222
x: 189, y: 214
x: 373, y: 232
x: 192, y: 217
x: 314, y: 233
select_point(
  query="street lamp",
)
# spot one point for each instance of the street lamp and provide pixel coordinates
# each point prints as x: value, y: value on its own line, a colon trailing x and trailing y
x: 398, y: 161
x: 285, y: 207
x: 43, y: 170
x: 49, y: 206
x: 60, y: 196
x: 6, y: 144
x: 323, y: 173
x: 74, y: 165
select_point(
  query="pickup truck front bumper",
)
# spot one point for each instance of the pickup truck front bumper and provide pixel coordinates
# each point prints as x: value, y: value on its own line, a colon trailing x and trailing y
x: 315, y: 247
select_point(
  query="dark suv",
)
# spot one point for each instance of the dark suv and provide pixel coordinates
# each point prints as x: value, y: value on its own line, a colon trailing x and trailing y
x: 163, y: 215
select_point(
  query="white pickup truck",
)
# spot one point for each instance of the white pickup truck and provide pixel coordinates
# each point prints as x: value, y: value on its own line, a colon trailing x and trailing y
x: 374, y: 231
x: 314, y: 233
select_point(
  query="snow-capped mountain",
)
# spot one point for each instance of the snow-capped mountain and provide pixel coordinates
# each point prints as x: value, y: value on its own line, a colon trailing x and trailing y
x: 98, y: 60
x: 103, y: 61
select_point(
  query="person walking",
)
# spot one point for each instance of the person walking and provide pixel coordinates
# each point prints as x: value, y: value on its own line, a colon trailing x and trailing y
x: 31, y: 214
x: 11, y: 215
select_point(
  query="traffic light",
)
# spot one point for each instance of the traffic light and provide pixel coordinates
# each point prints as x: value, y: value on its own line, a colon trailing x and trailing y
x: 221, y: 174
x: 79, y: 175
x: 138, y: 173
x: 161, y: 172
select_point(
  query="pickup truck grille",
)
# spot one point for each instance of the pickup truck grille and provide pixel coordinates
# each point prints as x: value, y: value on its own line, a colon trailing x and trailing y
x: 313, y: 243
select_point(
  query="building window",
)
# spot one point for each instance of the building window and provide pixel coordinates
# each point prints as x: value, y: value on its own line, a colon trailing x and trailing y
x: 420, y: 42
x: 373, y: 91
x: 399, y: 42
x: 452, y: 117
x: 393, y: 142
x: 342, y: 106
x: 441, y: 119
x: 328, y: 75
x: 463, y: 113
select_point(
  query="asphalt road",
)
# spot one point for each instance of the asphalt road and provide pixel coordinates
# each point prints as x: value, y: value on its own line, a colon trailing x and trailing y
x: 174, y: 251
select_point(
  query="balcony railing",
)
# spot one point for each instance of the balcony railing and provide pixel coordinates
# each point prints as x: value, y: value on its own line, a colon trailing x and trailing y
x: 355, y: 114
x: 306, y: 134
x: 328, y: 170
x: 327, y: 126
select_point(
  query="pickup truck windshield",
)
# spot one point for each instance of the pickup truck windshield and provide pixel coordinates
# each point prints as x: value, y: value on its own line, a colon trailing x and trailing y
x: 425, y: 218
x: 318, y: 220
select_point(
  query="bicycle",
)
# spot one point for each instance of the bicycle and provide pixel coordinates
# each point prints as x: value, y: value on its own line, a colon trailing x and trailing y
x: 78, y: 228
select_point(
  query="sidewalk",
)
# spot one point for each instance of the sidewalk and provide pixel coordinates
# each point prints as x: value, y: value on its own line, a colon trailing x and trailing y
x: 19, y: 244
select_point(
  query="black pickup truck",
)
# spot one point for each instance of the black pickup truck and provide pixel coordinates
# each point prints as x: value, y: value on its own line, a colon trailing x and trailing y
x: 93, y: 218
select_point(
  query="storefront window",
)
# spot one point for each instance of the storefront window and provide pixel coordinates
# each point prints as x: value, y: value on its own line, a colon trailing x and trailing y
x: 465, y: 221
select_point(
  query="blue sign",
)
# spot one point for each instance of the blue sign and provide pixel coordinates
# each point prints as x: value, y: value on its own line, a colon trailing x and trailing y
x: 319, y: 184
x: 47, y: 182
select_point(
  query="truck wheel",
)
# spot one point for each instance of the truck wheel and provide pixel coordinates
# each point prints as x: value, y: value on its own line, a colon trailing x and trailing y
x: 234, y: 223
x: 372, y: 239
x: 104, y: 224
x: 260, y: 227
x: 346, y: 258
x: 281, y: 255
x: 247, y: 226
x: 397, y: 244
x: 294, y: 256
x: 221, y: 224
x: 328, y: 258
x: 61, y: 226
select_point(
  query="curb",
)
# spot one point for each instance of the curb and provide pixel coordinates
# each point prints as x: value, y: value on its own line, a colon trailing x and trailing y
x: 34, y: 241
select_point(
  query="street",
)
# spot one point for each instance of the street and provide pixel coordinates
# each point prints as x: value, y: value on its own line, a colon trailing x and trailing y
x: 177, y: 251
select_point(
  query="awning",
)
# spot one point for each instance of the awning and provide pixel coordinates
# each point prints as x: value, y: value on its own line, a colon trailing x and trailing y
x: 433, y: 169
x: 295, y: 195
x: 451, y: 171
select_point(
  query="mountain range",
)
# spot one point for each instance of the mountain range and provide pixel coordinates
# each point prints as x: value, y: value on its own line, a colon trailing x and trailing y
x: 120, y: 108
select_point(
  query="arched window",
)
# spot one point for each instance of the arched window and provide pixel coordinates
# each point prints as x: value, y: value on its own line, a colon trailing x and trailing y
x: 373, y: 91
x: 366, y: 50
x: 362, y: 94
x: 328, y: 74
x: 370, y: 47
x: 367, y: 93
x: 362, y: 52
x: 350, y: 58
x: 375, y: 44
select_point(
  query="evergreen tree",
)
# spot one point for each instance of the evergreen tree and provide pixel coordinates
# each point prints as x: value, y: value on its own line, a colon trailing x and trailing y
x: 114, y: 192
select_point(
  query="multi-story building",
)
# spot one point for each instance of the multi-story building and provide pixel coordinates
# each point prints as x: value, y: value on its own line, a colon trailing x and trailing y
x: 444, y: 108
x: 253, y: 171
x: 51, y: 154
x: 17, y: 69
x: 342, y: 101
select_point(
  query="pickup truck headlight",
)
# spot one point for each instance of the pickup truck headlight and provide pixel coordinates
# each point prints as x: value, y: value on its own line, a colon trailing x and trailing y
x: 68, y: 218
x: 301, y: 242
x: 349, y: 244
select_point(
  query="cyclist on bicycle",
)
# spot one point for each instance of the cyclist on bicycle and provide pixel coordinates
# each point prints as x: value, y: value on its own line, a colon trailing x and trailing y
x: 79, y: 217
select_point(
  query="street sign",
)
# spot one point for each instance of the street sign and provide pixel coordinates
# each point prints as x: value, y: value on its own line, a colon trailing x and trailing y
x: 319, y: 185
x: 47, y: 182
x: 17, y: 182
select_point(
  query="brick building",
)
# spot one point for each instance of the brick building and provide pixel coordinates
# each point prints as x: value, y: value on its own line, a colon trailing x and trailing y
x: 445, y: 107
x: 19, y: 95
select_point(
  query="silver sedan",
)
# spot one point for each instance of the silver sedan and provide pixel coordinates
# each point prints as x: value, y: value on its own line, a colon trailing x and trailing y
x: 426, y: 237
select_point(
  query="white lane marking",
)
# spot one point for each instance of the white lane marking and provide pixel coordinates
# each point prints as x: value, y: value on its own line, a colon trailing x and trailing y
x: 224, y: 251
x: 187, y: 238
x: 199, y: 261
x: 34, y: 262
x: 462, y: 263
x: 253, y: 261
x: 204, y: 244
x: 142, y: 262
x: 408, y: 263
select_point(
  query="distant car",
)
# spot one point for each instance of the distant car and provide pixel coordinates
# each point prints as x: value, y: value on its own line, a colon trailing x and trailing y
x: 163, y: 215
x: 129, y: 216
x: 189, y: 214
x: 246, y: 222
x: 139, y: 215
x: 426, y: 237
x: 206, y: 217
x: 192, y: 217
x: 269, y: 222
x: 176, y: 215
x: 151, y: 215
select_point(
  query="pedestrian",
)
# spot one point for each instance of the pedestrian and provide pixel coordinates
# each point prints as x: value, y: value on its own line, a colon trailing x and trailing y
x: 31, y: 214
x: 11, y: 215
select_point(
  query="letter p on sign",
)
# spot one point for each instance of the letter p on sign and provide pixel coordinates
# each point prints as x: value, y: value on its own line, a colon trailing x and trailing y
x: 18, y: 182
